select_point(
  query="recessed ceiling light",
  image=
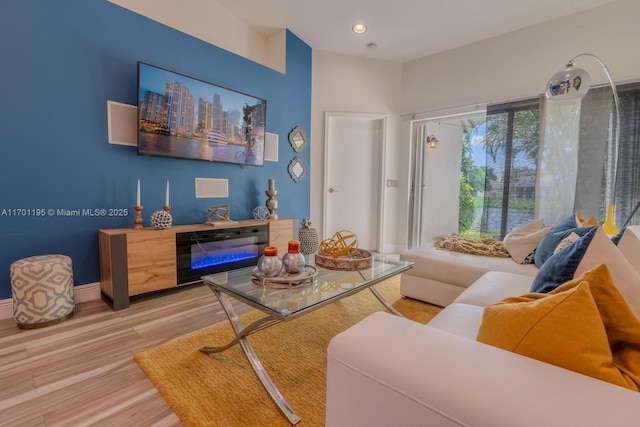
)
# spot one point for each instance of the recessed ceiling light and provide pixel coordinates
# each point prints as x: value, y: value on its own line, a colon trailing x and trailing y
x: 359, y: 28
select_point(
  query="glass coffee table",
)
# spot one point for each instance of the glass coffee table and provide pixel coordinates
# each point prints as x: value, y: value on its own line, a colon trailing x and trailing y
x: 285, y: 302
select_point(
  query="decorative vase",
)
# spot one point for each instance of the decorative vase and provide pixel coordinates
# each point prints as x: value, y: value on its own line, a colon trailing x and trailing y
x: 293, y: 261
x: 308, y: 237
x: 609, y: 227
x: 269, y: 264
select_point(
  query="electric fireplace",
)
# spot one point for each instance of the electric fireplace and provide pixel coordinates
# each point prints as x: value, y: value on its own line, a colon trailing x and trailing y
x: 213, y: 251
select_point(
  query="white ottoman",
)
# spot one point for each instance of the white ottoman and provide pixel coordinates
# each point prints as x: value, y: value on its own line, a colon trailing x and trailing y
x: 42, y: 290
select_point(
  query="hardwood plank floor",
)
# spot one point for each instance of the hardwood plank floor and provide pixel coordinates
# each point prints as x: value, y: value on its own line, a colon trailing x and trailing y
x: 81, y: 372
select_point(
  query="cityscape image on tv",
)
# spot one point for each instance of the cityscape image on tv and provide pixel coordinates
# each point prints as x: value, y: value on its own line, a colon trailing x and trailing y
x: 179, y: 116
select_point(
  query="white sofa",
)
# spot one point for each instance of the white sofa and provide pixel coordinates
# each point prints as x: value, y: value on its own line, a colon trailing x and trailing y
x: 391, y: 371
x: 439, y: 276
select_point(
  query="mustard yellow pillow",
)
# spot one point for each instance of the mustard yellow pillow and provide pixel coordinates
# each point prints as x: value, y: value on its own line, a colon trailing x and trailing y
x: 619, y: 320
x: 584, y: 325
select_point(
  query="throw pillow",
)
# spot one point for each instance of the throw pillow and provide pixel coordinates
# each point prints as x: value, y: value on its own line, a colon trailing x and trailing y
x: 561, y: 267
x: 585, y: 326
x: 589, y: 251
x: 522, y: 241
x: 558, y: 233
x: 566, y: 242
x: 629, y: 245
x: 583, y: 222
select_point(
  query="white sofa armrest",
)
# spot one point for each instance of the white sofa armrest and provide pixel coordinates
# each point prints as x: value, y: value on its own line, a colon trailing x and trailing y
x: 386, y: 370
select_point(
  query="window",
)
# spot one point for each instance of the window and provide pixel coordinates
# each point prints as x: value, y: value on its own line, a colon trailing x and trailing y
x: 511, y: 144
x: 537, y: 159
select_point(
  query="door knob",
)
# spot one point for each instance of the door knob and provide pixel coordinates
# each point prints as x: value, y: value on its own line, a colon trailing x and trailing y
x: 331, y: 190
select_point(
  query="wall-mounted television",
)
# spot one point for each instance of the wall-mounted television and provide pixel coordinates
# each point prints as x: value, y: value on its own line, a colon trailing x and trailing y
x: 183, y: 117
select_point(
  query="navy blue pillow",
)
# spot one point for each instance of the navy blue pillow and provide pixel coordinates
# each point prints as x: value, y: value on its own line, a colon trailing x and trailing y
x: 616, y: 239
x: 561, y: 267
x: 558, y: 233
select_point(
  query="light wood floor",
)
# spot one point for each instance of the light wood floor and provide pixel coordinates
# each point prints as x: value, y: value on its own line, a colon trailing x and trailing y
x: 81, y: 372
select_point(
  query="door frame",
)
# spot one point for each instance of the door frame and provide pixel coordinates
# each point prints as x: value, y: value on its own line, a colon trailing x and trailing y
x: 378, y: 117
x: 418, y: 134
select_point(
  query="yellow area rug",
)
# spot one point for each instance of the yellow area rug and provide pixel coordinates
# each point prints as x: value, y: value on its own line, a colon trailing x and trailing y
x: 223, y: 390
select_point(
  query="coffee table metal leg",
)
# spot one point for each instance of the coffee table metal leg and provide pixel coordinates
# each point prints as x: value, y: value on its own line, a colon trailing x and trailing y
x: 384, y: 302
x: 241, y: 338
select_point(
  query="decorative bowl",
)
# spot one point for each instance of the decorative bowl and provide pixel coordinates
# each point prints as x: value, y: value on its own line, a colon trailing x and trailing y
x: 360, y: 260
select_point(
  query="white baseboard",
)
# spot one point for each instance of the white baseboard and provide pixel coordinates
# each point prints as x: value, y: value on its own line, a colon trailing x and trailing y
x: 81, y: 293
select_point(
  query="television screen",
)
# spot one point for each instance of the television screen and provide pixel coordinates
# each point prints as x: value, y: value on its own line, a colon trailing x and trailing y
x: 182, y: 117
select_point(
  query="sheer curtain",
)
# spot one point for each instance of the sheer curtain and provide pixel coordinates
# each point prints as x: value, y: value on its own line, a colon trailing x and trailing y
x: 628, y: 174
x: 590, y: 171
x: 604, y: 169
x: 558, y: 159
x: 573, y: 161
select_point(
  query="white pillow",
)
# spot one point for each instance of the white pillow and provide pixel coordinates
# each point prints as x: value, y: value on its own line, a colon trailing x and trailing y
x: 601, y: 250
x: 522, y: 241
x: 629, y: 245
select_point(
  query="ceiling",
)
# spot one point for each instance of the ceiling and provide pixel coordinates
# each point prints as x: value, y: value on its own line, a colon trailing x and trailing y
x: 402, y: 30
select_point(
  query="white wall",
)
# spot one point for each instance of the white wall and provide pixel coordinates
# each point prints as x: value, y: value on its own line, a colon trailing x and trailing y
x: 213, y: 23
x: 344, y: 83
x: 517, y: 65
x: 441, y: 180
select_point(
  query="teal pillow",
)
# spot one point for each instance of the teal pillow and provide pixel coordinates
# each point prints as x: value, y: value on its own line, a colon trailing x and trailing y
x: 561, y: 267
x: 558, y: 233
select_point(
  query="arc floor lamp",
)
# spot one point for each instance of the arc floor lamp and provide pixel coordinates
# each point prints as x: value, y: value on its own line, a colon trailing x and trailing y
x: 572, y: 83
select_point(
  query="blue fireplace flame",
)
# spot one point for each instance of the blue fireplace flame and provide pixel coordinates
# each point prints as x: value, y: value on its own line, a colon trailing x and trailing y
x: 223, y: 259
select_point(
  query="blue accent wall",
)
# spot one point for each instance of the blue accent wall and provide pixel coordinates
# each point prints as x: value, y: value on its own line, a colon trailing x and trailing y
x: 62, y: 61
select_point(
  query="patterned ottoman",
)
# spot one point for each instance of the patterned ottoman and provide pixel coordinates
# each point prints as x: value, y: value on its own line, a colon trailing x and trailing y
x: 42, y: 290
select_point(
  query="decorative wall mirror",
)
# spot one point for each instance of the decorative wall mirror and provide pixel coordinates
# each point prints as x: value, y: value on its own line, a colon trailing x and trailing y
x: 297, y: 169
x: 298, y: 139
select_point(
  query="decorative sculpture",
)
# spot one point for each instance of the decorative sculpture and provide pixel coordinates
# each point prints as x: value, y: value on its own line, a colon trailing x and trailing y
x: 261, y: 212
x: 308, y: 238
x: 272, y: 203
x: 161, y: 219
x: 221, y: 212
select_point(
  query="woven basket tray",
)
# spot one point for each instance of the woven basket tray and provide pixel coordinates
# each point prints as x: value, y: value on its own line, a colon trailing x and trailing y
x: 360, y: 261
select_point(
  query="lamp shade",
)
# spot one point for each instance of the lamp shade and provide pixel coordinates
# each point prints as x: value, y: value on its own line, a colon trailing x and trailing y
x: 570, y: 83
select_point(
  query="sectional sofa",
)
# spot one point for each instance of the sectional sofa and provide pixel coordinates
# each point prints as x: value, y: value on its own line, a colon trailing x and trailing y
x: 387, y: 370
x: 439, y: 276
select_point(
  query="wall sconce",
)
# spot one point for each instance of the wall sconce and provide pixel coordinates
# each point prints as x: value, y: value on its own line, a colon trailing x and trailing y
x: 432, y: 141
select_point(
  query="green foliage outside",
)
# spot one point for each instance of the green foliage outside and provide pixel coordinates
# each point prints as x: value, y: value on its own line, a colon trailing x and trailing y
x: 472, y: 181
x: 523, y: 204
x: 475, y: 178
x: 467, y: 205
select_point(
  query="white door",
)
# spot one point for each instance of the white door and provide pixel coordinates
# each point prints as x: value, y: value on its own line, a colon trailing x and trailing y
x: 353, y: 172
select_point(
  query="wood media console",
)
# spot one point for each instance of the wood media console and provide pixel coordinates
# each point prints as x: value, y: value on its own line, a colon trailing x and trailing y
x: 135, y: 262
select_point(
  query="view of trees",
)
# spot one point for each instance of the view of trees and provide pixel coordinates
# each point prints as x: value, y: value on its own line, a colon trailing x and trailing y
x: 510, y: 139
x: 472, y: 182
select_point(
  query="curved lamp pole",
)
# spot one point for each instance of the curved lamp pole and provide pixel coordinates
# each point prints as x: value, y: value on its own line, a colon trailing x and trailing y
x: 572, y: 83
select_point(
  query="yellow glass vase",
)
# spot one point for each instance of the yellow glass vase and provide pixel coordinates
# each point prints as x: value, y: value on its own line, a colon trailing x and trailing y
x: 609, y: 227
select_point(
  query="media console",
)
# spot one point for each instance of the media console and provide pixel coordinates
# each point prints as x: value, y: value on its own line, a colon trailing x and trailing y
x: 135, y: 262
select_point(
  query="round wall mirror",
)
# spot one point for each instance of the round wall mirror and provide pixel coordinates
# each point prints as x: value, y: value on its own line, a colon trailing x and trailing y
x: 298, y: 139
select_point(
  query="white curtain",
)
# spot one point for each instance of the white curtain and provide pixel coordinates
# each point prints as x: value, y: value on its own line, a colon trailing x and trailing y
x: 557, y: 160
